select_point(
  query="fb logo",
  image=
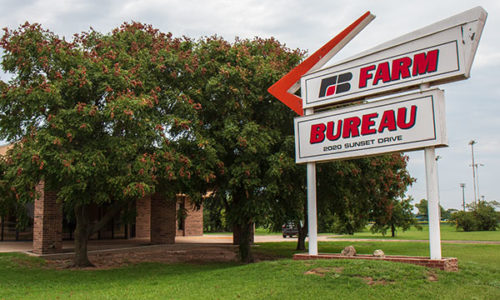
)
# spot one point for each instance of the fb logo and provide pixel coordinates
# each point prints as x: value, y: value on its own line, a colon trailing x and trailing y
x: 335, y: 85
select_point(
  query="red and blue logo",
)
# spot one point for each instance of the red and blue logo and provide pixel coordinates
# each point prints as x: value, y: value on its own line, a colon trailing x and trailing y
x: 335, y: 85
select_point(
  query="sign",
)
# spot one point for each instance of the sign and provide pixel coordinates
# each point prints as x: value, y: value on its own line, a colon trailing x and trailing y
x: 403, y: 123
x: 285, y: 88
x: 438, y: 53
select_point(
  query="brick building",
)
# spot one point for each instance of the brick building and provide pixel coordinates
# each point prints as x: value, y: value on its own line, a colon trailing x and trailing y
x: 157, y: 220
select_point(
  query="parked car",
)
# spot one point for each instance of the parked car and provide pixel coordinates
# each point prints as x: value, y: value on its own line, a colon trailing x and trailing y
x: 289, y: 229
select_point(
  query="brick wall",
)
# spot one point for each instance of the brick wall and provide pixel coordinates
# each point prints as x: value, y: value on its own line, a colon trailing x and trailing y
x: 154, y: 209
x: 143, y: 219
x: 446, y: 264
x: 47, y: 222
x: 163, y: 228
x: 193, y: 224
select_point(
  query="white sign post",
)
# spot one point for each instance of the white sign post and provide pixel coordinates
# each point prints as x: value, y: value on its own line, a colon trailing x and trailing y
x: 312, y: 222
x: 431, y: 179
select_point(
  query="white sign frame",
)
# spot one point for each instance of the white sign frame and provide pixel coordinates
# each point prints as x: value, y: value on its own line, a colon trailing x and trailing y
x: 428, y: 129
x: 454, y: 39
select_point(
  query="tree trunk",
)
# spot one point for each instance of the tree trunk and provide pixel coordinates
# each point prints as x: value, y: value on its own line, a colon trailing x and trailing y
x: 301, y: 241
x: 83, y: 230
x: 243, y: 237
x: 81, y: 237
x: 393, y: 230
x: 3, y: 221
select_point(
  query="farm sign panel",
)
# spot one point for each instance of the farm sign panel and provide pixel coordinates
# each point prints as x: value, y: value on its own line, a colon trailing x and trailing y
x: 404, y: 123
x: 439, y: 53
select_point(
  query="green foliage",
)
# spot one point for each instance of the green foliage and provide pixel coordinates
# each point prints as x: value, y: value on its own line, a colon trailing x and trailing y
x: 448, y: 232
x: 214, y: 218
x: 481, y: 217
x: 90, y: 116
x: 446, y: 214
x: 465, y: 221
x: 422, y: 207
x: 102, y: 119
x: 248, y: 127
x: 9, y: 207
x: 110, y: 118
x: 399, y: 215
x: 350, y: 193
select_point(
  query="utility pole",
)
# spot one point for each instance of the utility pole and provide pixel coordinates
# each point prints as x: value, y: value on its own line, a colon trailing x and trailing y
x: 462, y: 185
x: 477, y: 180
x: 471, y: 143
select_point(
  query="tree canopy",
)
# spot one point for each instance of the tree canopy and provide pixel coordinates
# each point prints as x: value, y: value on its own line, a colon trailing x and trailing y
x: 422, y: 207
x: 350, y: 193
x: 101, y: 119
x: 258, y: 180
x: 248, y: 127
x: 109, y: 118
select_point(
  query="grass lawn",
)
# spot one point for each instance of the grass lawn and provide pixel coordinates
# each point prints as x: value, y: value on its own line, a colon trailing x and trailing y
x: 23, y: 277
x: 448, y: 232
x: 217, y: 233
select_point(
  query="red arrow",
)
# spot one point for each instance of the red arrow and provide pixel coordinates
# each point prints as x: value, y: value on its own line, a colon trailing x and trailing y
x: 281, y: 88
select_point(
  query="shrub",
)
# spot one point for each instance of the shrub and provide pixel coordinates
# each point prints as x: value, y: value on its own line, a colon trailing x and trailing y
x: 465, y: 220
x: 487, y: 218
x: 482, y: 217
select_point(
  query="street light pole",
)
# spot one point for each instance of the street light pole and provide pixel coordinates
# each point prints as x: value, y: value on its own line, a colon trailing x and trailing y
x: 477, y: 180
x: 462, y: 185
x: 471, y: 143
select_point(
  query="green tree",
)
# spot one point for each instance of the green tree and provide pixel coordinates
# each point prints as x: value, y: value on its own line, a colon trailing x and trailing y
x: 349, y: 194
x: 398, y: 214
x: 9, y: 208
x: 252, y: 132
x: 287, y: 192
x: 101, y: 120
x: 422, y: 207
x: 246, y: 124
x: 391, y: 208
x: 446, y: 214
x: 360, y: 190
x: 480, y: 217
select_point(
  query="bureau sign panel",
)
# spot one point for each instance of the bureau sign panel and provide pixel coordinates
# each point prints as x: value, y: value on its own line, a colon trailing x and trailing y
x: 404, y: 123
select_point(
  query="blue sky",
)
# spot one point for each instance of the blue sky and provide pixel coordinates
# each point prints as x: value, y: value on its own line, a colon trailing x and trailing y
x: 471, y: 105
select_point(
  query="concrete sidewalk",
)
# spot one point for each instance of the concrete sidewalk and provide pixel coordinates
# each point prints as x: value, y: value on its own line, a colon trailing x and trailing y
x: 102, y: 245
x: 95, y: 245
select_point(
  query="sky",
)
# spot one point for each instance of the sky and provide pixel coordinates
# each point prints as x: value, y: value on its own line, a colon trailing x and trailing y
x: 471, y: 105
